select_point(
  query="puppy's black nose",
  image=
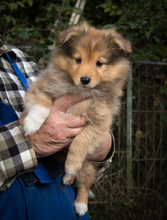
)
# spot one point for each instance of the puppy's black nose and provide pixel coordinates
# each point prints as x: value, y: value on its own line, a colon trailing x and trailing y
x: 85, y: 80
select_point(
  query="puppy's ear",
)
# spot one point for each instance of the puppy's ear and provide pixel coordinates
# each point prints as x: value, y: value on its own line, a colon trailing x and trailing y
x: 73, y: 31
x: 125, y: 45
x: 66, y: 35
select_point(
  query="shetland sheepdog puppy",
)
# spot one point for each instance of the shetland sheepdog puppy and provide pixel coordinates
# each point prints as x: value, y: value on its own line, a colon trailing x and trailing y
x: 89, y: 62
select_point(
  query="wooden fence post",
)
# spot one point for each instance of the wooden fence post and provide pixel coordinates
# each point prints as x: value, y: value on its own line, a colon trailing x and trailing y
x: 129, y: 132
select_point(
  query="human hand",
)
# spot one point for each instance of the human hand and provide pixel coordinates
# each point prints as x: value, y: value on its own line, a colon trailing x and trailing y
x: 59, y: 129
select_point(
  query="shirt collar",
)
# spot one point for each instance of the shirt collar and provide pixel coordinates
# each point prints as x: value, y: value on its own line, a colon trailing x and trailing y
x: 3, y: 46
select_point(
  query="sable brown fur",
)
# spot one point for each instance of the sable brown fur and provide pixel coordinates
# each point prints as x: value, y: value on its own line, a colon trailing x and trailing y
x: 103, y: 62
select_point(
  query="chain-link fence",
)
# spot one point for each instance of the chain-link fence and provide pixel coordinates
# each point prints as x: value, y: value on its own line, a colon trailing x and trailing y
x: 136, y: 185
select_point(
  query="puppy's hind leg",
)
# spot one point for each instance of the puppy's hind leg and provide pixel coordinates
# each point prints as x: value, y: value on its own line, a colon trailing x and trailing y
x: 84, y: 180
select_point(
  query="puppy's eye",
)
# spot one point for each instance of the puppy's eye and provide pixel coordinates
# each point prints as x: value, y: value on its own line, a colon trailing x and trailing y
x: 78, y: 60
x: 99, y: 64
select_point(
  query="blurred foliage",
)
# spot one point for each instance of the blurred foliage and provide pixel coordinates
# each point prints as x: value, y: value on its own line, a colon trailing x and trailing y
x: 36, y: 22
x: 143, y: 22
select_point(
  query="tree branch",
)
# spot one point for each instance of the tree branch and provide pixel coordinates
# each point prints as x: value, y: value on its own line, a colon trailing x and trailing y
x: 80, y: 4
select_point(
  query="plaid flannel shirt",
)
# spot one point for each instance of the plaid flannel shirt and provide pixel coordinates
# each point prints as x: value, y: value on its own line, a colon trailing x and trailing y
x: 16, y: 153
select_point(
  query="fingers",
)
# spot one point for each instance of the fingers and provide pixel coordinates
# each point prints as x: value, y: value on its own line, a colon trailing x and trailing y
x: 74, y: 125
x: 73, y: 121
x: 65, y: 102
x: 72, y: 133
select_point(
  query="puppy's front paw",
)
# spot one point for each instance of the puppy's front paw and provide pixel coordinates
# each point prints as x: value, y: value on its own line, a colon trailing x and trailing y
x: 35, y: 118
x: 80, y: 208
x: 30, y: 125
x: 69, y: 177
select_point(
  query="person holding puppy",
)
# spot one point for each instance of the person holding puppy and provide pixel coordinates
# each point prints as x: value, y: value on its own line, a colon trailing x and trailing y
x: 31, y: 188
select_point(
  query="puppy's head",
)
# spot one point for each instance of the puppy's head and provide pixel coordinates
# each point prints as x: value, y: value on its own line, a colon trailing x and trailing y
x: 92, y: 56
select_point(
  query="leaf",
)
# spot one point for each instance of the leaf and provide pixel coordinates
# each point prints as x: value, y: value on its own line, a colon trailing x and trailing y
x: 58, y: 8
x: 157, y: 40
x: 40, y: 19
x: 147, y: 35
x: 108, y: 26
x: 3, y: 6
x: 21, y: 4
x: 24, y: 33
x: 12, y: 6
x: 112, y: 13
x: 30, y: 2
x: 39, y: 47
x: 103, y: 5
x: 139, y: 134
x: 119, y: 12
x: 10, y: 19
x: 107, y: 10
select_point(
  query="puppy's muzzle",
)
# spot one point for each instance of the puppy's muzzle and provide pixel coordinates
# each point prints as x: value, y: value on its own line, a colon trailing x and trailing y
x: 85, y: 80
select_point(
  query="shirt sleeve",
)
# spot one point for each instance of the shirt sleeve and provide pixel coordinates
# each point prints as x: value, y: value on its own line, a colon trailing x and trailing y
x: 16, y: 154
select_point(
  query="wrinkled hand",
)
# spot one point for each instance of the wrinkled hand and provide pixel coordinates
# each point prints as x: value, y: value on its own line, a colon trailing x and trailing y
x: 59, y: 130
